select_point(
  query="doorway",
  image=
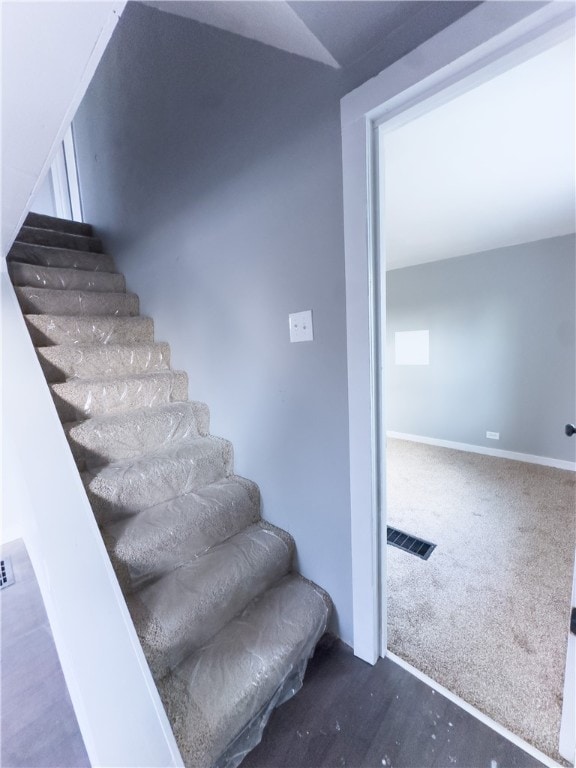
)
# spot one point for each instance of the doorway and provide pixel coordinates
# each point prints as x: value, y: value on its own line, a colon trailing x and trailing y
x: 366, y: 322
x: 479, y: 383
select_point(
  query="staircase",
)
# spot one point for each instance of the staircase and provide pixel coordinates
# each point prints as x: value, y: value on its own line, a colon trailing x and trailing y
x: 226, y: 626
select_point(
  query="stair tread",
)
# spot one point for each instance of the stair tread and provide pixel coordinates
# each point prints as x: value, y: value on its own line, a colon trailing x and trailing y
x: 211, y: 697
x: 128, y: 486
x: 117, y: 436
x: 43, y: 220
x: 84, y: 361
x: 43, y: 236
x: 70, y: 258
x: 58, y: 330
x: 79, y: 399
x: 23, y: 274
x: 163, y: 536
x: 183, y: 609
x: 74, y: 302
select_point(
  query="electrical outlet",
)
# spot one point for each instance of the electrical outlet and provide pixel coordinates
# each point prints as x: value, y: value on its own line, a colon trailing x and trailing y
x: 301, y: 326
x: 493, y: 435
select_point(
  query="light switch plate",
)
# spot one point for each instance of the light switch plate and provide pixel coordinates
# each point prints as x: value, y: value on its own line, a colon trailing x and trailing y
x: 301, y: 326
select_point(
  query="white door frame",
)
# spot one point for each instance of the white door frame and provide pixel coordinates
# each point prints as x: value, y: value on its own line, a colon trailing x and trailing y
x: 64, y: 180
x: 486, y: 41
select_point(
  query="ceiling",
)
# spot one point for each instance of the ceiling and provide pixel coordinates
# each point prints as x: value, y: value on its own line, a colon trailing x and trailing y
x: 334, y: 32
x: 492, y: 168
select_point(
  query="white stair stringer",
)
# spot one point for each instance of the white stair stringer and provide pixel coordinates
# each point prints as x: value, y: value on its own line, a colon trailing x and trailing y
x: 226, y: 628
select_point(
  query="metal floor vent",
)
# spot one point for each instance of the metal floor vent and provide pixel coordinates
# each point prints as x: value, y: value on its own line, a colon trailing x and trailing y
x: 6, y: 573
x: 408, y: 543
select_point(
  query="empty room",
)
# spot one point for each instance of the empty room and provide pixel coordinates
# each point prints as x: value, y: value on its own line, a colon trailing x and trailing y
x: 478, y: 222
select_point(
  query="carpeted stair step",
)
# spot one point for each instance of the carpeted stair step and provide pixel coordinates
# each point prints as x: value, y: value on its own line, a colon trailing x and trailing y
x: 226, y: 629
x: 164, y: 536
x: 43, y: 221
x: 63, y: 258
x: 125, y: 487
x: 179, y: 612
x: 83, y: 398
x: 42, y: 236
x: 119, y: 436
x: 89, y: 361
x: 65, y: 279
x: 57, y: 302
x: 215, y: 699
x: 47, y: 330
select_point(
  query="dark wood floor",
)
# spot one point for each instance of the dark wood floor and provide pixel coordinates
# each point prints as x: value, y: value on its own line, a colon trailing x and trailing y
x: 352, y: 714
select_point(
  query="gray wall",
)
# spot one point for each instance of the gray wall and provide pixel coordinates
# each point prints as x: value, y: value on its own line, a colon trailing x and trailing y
x: 502, y: 348
x: 211, y: 165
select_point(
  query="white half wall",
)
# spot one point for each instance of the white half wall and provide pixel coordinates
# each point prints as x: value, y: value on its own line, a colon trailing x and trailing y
x: 49, y: 54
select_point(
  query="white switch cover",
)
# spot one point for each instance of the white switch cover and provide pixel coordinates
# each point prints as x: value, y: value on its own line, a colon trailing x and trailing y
x: 301, y: 326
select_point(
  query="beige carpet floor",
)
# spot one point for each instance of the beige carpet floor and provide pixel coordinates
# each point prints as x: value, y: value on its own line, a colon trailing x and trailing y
x: 487, y: 615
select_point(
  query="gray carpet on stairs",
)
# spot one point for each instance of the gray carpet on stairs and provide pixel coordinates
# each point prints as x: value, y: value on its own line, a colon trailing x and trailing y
x: 226, y: 625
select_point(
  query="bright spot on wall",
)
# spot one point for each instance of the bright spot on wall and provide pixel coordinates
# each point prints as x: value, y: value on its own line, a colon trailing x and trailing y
x: 412, y: 348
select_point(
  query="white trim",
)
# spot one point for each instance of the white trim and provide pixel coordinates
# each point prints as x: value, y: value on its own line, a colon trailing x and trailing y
x: 476, y: 713
x: 529, y: 458
x: 59, y: 180
x: 72, y: 175
x: 491, y: 37
x: 567, y: 746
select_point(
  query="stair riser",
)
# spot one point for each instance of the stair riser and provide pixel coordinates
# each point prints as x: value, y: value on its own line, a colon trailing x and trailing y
x: 77, y: 400
x: 65, y: 279
x: 180, y: 612
x: 161, y: 538
x: 47, y: 330
x: 61, y: 258
x: 94, y: 361
x: 120, y: 490
x: 267, y: 643
x: 102, y: 441
x: 59, y: 239
x: 45, y: 301
x: 40, y: 220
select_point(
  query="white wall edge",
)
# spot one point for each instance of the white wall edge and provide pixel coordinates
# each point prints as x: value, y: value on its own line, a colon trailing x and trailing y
x: 489, y: 38
x: 567, y: 746
x: 529, y: 458
x: 72, y: 175
x: 493, y: 724
x: 87, y: 75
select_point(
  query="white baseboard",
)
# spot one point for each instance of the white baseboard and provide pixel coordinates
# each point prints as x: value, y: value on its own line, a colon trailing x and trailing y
x: 529, y: 458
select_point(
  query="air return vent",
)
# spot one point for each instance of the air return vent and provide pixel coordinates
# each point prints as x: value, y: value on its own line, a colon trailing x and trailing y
x: 6, y: 573
x: 408, y: 543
